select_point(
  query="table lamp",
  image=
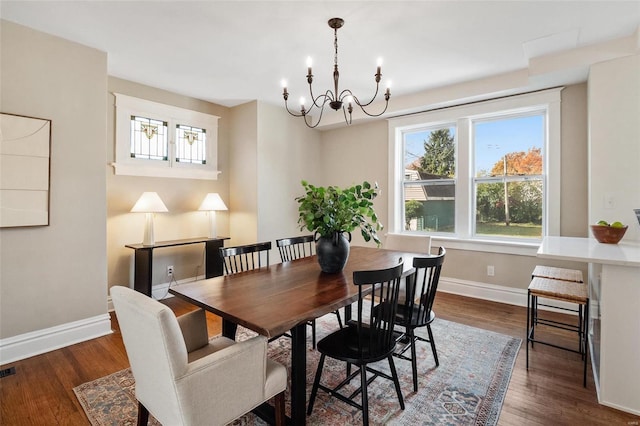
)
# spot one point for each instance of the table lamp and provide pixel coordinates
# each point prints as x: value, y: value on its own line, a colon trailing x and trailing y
x: 210, y: 204
x: 149, y: 203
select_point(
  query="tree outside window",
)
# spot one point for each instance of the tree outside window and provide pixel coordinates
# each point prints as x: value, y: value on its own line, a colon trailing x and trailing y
x: 429, y: 186
x: 509, y: 196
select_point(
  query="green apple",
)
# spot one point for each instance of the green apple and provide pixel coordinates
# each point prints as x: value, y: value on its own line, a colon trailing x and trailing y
x: 603, y: 223
x: 617, y: 225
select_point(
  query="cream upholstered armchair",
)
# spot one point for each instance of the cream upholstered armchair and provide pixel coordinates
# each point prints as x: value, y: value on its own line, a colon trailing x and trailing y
x: 182, y: 377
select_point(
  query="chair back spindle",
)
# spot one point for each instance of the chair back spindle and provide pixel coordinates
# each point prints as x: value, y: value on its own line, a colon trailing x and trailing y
x: 295, y: 247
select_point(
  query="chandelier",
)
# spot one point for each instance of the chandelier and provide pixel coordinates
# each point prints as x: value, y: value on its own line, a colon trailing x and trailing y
x: 336, y: 99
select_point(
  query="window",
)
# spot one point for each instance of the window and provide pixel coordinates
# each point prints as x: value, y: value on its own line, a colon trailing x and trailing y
x: 486, y: 172
x: 429, y: 185
x: 508, y: 177
x: 160, y: 140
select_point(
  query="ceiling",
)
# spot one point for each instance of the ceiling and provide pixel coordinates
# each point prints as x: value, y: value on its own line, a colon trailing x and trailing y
x: 231, y: 52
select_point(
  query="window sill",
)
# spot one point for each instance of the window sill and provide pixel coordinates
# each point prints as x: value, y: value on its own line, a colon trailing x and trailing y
x: 164, y: 172
x: 518, y: 248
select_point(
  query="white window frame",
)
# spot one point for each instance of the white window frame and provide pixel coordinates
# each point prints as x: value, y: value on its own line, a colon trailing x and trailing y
x: 463, y: 115
x: 127, y: 106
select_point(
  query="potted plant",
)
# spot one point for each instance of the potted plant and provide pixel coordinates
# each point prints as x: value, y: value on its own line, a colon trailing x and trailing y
x: 331, y: 212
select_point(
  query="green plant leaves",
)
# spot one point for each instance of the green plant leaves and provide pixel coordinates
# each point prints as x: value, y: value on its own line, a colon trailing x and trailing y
x: 327, y: 210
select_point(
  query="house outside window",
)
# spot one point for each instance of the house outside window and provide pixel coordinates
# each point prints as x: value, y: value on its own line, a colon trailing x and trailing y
x: 482, y: 173
x: 429, y: 184
x: 154, y: 139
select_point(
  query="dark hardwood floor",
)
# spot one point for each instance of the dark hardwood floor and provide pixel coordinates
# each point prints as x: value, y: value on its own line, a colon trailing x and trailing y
x: 550, y: 393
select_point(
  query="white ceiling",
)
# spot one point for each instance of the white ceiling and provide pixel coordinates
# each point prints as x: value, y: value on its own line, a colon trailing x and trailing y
x: 230, y: 52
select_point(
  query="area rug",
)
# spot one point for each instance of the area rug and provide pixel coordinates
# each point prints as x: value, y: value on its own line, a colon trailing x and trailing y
x: 468, y: 388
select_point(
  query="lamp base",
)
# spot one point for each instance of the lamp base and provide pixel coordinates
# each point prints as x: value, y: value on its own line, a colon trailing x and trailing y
x: 148, y: 239
x: 212, y: 224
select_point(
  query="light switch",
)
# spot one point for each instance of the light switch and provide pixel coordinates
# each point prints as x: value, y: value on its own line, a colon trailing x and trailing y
x: 609, y: 201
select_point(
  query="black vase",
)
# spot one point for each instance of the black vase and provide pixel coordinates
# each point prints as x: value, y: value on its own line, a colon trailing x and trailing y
x: 333, y: 252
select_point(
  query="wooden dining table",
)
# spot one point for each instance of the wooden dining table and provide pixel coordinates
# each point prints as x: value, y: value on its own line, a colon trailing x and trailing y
x: 282, y: 298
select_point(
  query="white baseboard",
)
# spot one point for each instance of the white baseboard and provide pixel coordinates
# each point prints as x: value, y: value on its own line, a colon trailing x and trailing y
x: 502, y: 294
x: 38, y: 342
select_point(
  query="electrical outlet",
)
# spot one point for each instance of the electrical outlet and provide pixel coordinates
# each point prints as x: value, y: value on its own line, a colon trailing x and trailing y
x: 170, y: 271
x: 490, y: 270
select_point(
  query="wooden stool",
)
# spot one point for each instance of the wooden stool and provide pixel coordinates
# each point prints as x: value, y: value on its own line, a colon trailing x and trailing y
x: 562, y: 274
x: 566, y: 291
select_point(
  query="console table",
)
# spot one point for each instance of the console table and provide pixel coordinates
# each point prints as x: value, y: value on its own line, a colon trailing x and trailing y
x: 143, y: 263
x: 614, y: 334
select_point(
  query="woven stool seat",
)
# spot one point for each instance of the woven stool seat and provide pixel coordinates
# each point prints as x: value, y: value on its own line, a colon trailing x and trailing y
x: 560, y: 290
x: 565, y: 291
x: 555, y: 273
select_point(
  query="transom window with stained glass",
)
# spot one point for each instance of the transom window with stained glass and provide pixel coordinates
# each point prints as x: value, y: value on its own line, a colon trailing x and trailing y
x: 191, y: 144
x: 149, y: 139
x: 154, y: 139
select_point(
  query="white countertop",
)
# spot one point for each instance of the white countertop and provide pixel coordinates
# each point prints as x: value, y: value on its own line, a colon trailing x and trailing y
x: 625, y: 253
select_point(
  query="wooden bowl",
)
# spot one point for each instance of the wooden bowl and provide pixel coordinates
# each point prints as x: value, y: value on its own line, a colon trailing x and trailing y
x: 607, y: 234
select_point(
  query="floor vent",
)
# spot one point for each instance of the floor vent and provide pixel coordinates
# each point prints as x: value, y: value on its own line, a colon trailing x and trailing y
x: 7, y: 372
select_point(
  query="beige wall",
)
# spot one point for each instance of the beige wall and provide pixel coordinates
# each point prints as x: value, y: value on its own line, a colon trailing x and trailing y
x: 288, y: 152
x: 270, y: 154
x: 614, y: 141
x: 57, y: 274
x: 181, y: 196
x: 361, y: 152
x: 243, y: 182
x: 574, y: 194
x: 355, y: 154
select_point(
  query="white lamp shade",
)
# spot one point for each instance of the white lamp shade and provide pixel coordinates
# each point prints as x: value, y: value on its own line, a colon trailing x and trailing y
x: 212, y: 202
x: 149, y: 202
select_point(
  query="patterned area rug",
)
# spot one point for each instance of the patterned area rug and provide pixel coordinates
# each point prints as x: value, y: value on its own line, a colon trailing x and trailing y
x: 468, y: 388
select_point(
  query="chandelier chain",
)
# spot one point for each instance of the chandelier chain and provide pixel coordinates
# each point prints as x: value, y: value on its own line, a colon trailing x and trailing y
x: 335, y: 44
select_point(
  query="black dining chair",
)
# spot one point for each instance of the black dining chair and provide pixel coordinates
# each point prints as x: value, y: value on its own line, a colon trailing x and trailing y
x: 367, y: 339
x: 294, y: 248
x: 245, y: 258
x: 417, y: 308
